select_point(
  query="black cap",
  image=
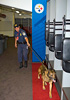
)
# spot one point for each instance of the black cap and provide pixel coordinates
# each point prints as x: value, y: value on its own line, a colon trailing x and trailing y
x: 16, y: 25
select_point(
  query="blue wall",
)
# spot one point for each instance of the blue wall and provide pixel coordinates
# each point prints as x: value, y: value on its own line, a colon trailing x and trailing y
x: 38, y: 28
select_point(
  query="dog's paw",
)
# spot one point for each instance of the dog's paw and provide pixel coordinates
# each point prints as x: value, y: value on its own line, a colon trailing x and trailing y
x: 44, y: 88
x: 50, y: 95
x: 38, y: 77
x: 45, y: 83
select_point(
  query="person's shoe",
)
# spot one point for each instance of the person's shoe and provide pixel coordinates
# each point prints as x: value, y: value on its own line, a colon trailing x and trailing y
x: 25, y: 64
x: 21, y: 65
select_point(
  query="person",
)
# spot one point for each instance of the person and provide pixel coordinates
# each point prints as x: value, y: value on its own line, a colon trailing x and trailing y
x: 22, y: 43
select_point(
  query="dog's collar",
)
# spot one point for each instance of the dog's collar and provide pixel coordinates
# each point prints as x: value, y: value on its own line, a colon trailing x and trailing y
x: 49, y: 76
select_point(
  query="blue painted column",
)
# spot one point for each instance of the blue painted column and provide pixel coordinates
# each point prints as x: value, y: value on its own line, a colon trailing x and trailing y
x: 38, y: 28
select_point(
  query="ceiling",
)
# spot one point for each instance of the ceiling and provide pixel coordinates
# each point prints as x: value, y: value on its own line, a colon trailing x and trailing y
x: 11, y: 9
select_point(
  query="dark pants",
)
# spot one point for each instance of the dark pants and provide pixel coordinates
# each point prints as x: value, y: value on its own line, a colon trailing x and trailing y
x: 22, y: 52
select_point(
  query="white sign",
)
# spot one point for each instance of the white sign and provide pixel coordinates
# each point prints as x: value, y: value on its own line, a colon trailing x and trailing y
x: 39, y: 8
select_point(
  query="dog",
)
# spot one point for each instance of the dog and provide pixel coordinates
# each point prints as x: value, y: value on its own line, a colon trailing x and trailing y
x: 47, y: 75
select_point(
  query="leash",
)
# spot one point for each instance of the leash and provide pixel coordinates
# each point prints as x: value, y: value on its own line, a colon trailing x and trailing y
x: 37, y: 54
x: 38, y: 57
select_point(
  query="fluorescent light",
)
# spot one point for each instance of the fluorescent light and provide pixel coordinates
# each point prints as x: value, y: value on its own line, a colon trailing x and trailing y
x: 20, y: 14
x: 17, y: 11
x: 13, y: 8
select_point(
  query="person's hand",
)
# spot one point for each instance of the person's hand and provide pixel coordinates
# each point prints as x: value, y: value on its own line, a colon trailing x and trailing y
x: 28, y: 44
x: 15, y: 45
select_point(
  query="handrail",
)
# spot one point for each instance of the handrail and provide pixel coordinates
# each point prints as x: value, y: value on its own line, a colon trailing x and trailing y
x: 59, y: 24
x: 58, y: 29
x: 67, y: 19
x: 51, y: 27
x: 51, y: 32
x: 67, y: 23
x: 67, y: 30
x: 64, y: 29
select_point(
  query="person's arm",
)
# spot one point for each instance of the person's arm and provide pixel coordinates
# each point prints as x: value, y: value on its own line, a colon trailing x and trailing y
x: 15, y: 42
x: 27, y: 41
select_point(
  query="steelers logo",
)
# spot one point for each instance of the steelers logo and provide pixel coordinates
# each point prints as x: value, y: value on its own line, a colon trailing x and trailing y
x: 39, y: 8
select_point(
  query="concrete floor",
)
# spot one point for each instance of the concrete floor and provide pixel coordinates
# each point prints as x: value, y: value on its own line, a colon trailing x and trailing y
x: 15, y: 83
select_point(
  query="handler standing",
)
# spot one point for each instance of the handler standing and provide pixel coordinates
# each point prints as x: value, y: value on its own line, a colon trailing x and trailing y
x: 23, y: 44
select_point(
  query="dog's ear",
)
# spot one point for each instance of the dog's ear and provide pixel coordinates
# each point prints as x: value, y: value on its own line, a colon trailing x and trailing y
x: 46, y: 72
x: 43, y: 61
x: 51, y: 69
x: 54, y: 70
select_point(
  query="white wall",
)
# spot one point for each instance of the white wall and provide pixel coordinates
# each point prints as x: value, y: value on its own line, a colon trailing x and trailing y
x: 48, y: 11
x: 61, y: 8
x: 21, y: 4
x: 66, y: 81
x: 68, y: 9
x: 52, y: 16
x: 68, y: 16
x: 52, y: 9
x: 6, y: 21
x: 48, y: 18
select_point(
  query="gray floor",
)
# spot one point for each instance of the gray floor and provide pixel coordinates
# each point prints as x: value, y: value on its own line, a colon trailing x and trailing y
x: 15, y: 83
